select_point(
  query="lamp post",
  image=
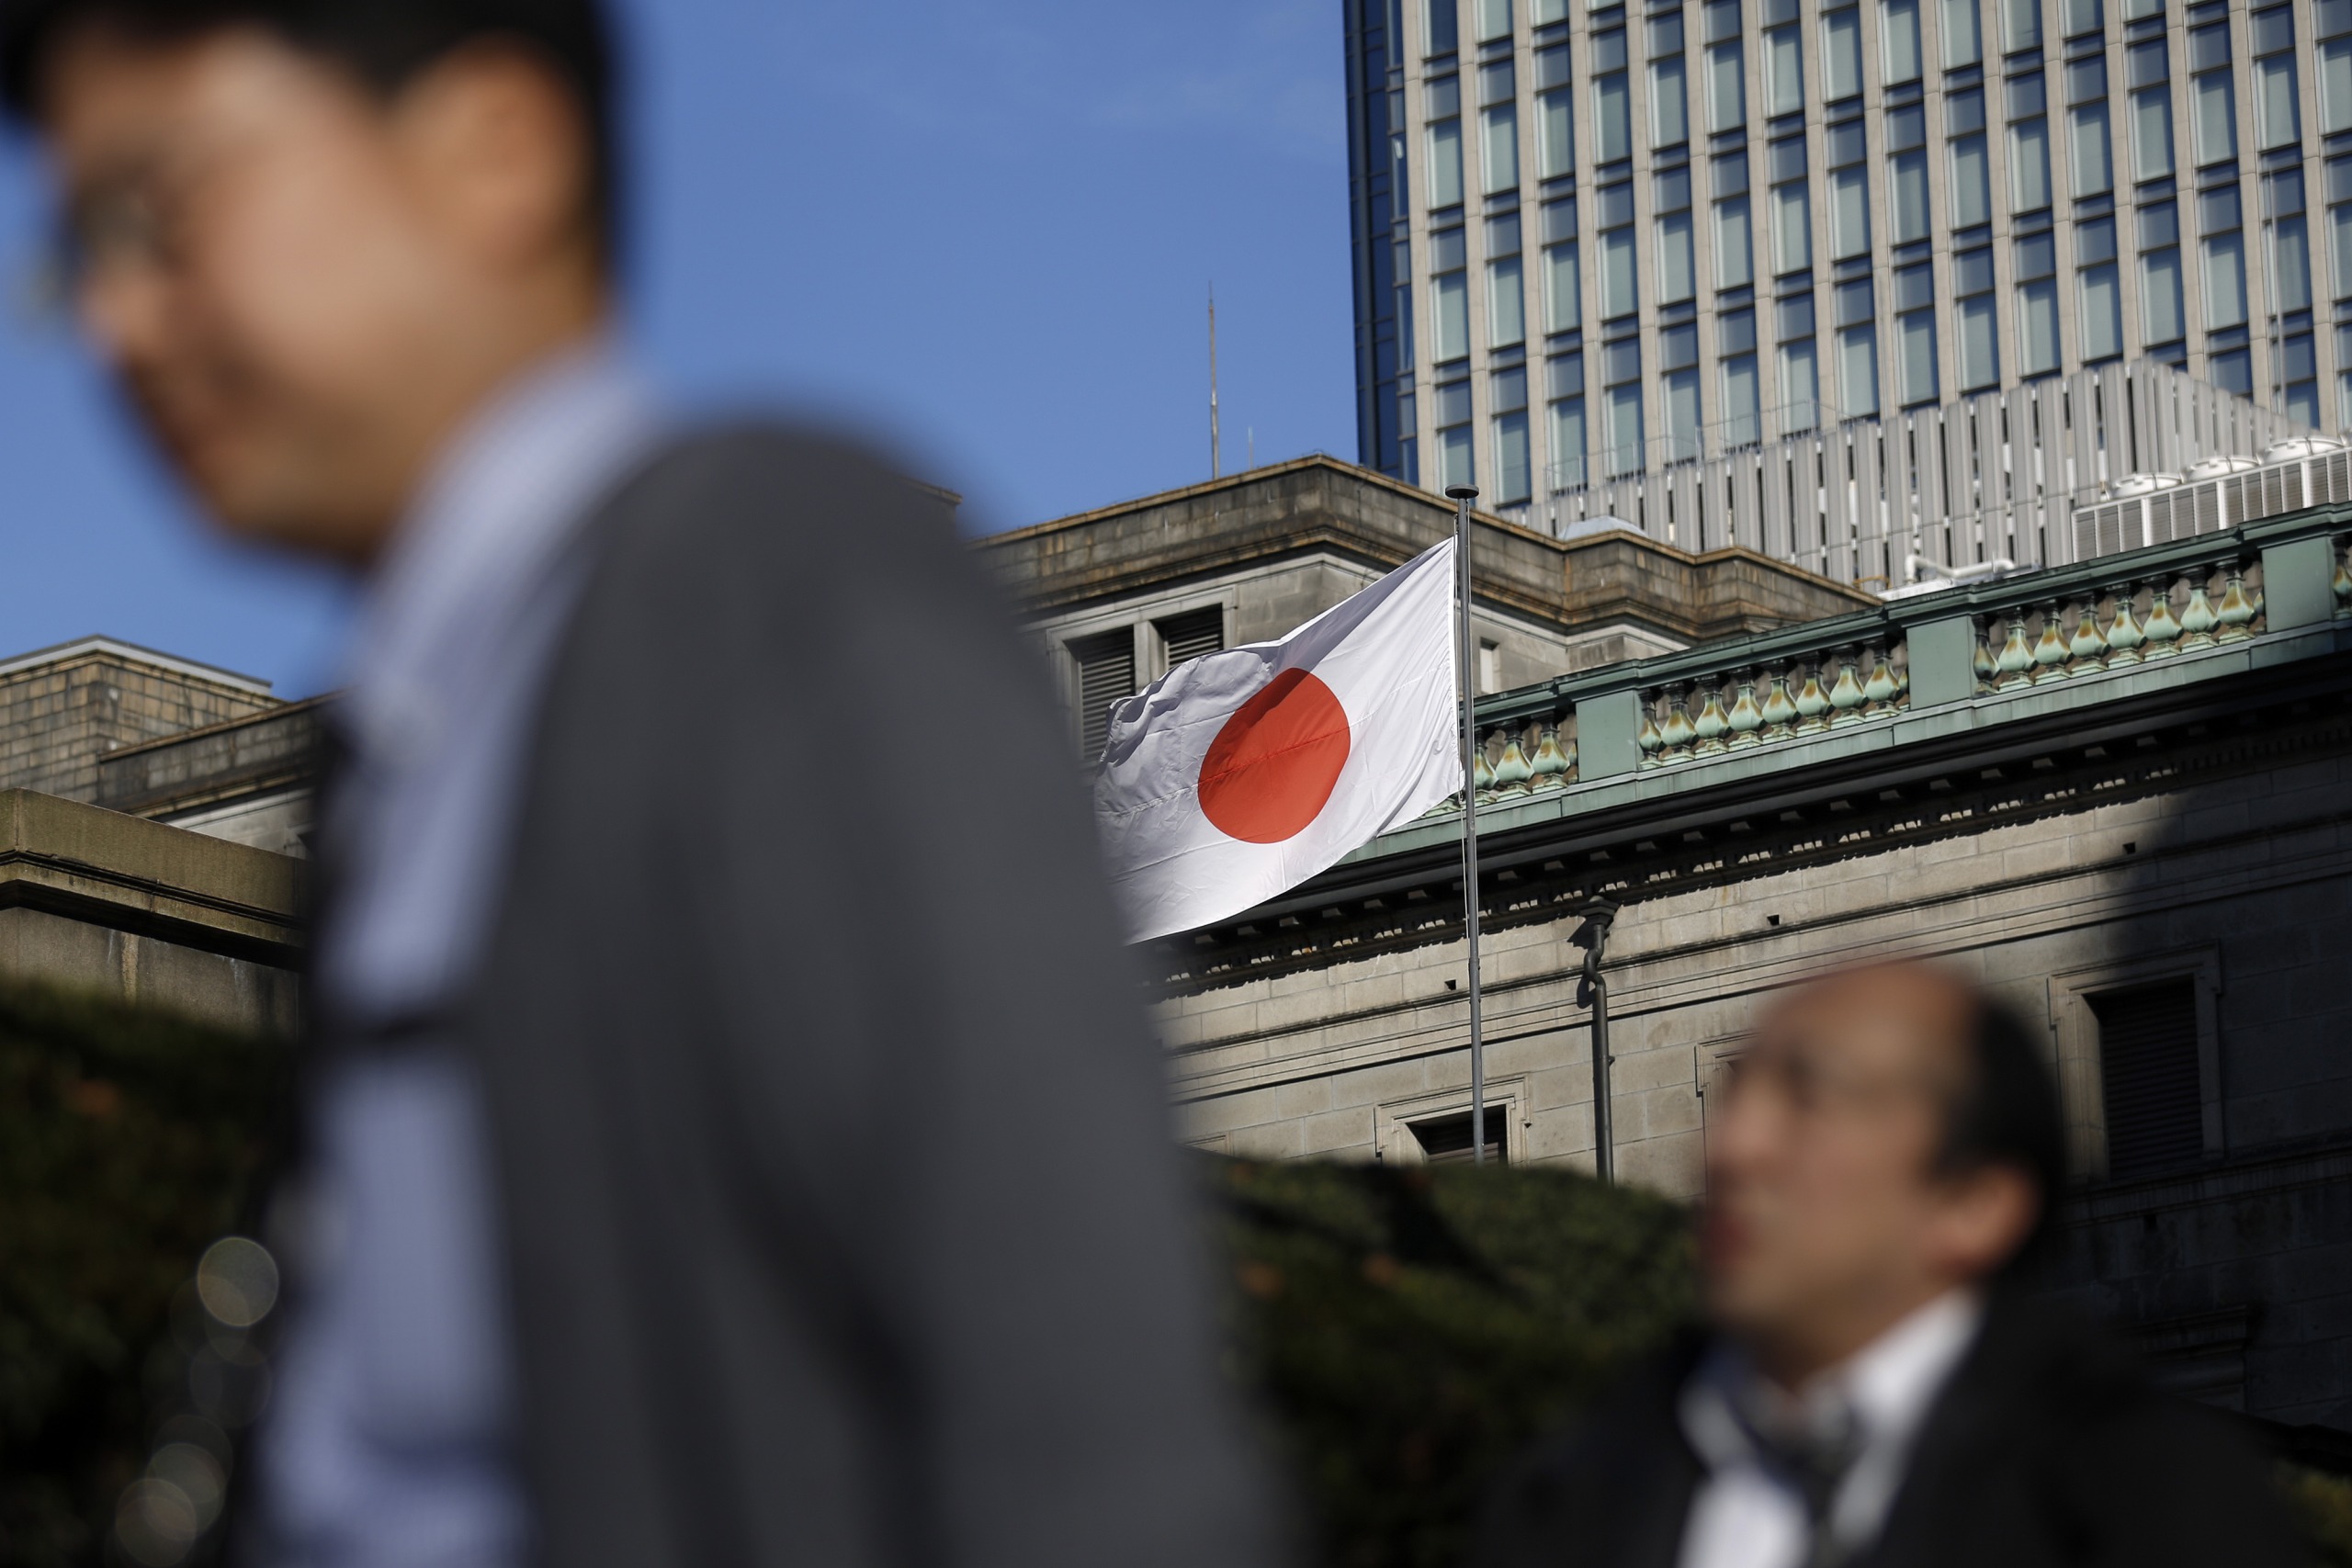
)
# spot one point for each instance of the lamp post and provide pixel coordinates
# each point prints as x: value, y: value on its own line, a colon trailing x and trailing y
x: 1592, y: 991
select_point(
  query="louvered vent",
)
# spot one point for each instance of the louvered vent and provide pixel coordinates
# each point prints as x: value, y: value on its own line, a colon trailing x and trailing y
x: 2209, y: 509
x: 2332, y: 478
x: 2161, y: 527
x: 2147, y: 1047
x: 2097, y: 531
x: 1106, y: 673
x: 1190, y: 634
x: 1446, y: 1139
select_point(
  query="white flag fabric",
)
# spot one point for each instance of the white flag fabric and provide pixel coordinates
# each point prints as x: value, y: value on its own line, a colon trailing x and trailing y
x: 1245, y: 771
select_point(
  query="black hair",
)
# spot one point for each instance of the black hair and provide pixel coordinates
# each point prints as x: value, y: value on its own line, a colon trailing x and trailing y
x: 384, y: 43
x: 2006, y: 1112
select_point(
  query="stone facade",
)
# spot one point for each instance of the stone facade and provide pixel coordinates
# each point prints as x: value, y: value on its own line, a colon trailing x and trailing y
x: 95, y: 900
x: 63, y: 709
x: 2071, y: 835
x: 1273, y: 548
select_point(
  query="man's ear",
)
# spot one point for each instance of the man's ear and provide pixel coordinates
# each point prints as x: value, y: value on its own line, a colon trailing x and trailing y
x: 1986, y: 1215
x: 498, y: 153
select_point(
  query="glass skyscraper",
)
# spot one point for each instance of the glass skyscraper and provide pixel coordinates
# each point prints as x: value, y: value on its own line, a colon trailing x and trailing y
x: 1593, y: 240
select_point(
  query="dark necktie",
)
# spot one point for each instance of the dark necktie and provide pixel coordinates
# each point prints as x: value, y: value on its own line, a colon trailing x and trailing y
x: 1815, y: 1456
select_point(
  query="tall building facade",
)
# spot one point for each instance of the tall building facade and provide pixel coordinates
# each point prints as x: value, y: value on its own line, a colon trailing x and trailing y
x: 1598, y: 239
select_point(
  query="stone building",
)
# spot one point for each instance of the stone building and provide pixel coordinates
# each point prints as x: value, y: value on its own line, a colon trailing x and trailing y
x: 2119, y: 794
x: 1117, y: 596
x: 198, y: 907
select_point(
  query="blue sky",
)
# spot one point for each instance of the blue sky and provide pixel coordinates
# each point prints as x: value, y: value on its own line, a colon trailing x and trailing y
x: 983, y: 231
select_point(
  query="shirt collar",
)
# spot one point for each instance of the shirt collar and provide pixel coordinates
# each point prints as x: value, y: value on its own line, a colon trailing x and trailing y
x: 1887, y: 1387
x: 497, y: 505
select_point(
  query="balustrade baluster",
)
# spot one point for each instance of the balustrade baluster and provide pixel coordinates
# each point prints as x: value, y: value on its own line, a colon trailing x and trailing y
x: 2050, y: 648
x: 2198, y: 621
x: 2124, y: 632
x: 1845, y: 697
x: 1746, y: 718
x: 2087, y: 646
x: 2014, y: 668
x: 2164, y: 627
x: 2235, y: 612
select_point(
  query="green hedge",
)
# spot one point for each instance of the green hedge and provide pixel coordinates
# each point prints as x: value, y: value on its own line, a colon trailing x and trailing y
x: 1404, y: 1331
x: 129, y: 1141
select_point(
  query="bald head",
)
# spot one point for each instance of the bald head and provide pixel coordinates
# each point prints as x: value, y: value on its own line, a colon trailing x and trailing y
x: 1889, y: 1136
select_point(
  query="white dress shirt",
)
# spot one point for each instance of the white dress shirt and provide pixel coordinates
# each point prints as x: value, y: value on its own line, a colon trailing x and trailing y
x: 1746, y: 1513
x: 389, y: 1442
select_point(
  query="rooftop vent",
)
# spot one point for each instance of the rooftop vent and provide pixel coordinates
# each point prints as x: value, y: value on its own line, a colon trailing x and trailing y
x: 2216, y: 493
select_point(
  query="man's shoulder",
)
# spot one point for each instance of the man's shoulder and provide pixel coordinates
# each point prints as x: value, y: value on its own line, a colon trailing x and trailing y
x: 754, y: 466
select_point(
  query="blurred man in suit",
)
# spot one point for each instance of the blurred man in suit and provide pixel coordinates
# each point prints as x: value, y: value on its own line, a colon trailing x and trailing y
x: 714, y: 1156
x: 1876, y: 1390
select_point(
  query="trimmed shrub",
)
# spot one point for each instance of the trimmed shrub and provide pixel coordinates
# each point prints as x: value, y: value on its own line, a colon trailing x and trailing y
x: 1408, y: 1329
x: 129, y: 1141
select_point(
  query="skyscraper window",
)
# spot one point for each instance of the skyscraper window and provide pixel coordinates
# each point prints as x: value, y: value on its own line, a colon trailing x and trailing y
x: 1898, y: 22
x: 1455, y: 466
x: 1554, y: 115
x: 1449, y: 296
x: 2149, y: 71
x: 1906, y: 136
x: 2037, y: 288
x: 1513, y: 460
x: 1857, y: 349
x: 1979, y: 336
x: 1562, y: 278
x: 1621, y: 401
x: 2162, y: 318
x: 2020, y: 25
x: 1678, y: 362
x: 2029, y: 144
x: 1915, y: 331
x: 2334, y: 66
x: 1841, y: 53
x: 2213, y: 94
x: 1445, y: 143
x: 2290, y: 254
x: 1784, y: 72
x: 1501, y: 153
x: 2100, y: 300
x: 1742, y: 401
x: 2093, y: 160
x: 1964, y: 36
x: 2277, y: 121
x: 2224, y: 258
x: 1564, y: 374
x: 1850, y: 196
x: 1800, y: 385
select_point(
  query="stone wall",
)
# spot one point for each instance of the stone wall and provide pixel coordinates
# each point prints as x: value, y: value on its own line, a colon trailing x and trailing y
x: 63, y: 710
x: 91, y: 899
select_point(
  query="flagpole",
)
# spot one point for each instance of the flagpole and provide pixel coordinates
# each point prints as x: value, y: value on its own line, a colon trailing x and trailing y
x: 1463, y: 495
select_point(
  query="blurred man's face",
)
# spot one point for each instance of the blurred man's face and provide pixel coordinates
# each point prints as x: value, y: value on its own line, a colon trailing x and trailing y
x: 298, y: 284
x: 1825, y: 1219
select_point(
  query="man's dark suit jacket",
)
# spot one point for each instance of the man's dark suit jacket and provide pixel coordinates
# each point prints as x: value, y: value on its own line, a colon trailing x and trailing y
x: 844, y: 1218
x: 2046, y: 1448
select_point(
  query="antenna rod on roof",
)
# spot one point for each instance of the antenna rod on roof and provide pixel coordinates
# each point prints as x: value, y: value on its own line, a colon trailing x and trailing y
x: 1217, y: 468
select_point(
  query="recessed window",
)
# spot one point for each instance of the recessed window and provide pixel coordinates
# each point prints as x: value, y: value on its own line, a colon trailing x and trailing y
x: 1449, y: 1140
x: 2149, y: 1077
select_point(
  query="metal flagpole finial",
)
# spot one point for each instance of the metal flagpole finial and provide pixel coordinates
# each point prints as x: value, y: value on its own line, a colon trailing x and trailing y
x: 1461, y: 496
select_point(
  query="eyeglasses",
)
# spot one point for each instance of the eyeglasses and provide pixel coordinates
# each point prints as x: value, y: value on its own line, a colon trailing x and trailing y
x: 139, y: 219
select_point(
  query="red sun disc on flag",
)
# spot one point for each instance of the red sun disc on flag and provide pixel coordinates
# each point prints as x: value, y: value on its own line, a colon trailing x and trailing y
x: 1273, y: 765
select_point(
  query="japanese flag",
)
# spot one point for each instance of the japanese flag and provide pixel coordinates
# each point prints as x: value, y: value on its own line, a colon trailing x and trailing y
x: 1244, y: 772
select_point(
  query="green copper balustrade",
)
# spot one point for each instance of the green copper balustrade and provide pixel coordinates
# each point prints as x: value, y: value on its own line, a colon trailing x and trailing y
x: 2113, y: 625
x: 1759, y: 704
